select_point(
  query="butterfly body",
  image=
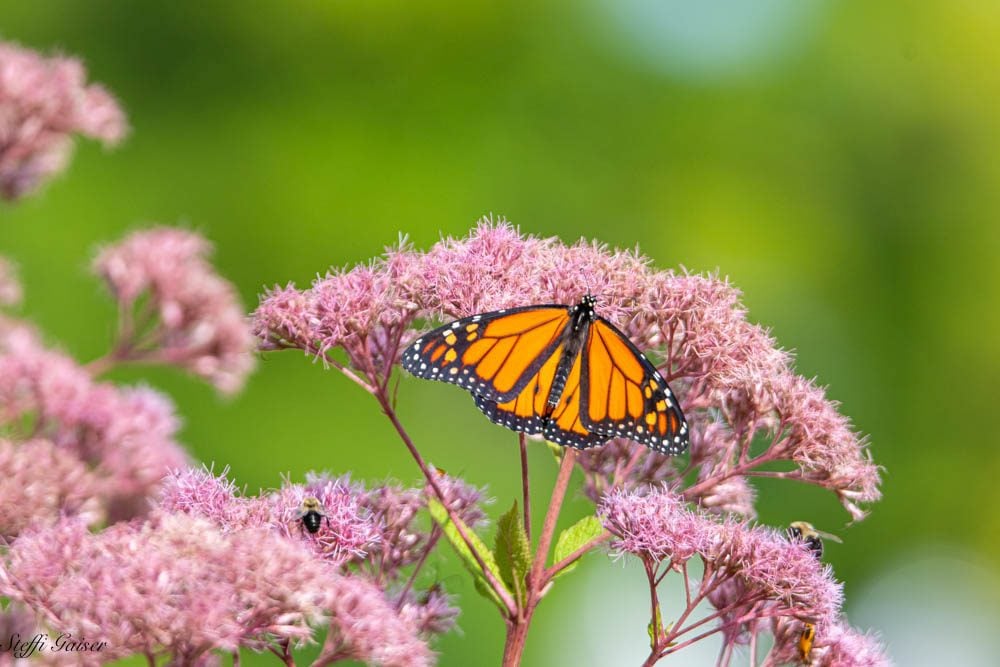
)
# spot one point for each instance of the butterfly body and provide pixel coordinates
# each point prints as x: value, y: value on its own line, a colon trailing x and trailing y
x: 562, y: 372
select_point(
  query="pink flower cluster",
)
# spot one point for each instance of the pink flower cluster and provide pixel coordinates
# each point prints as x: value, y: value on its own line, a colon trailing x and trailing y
x: 659, y: 526
x: 176, y: 585
x: 190, y: 316
x: 374, y: 533
x: 107, y: 447
x: 836, y: 645
x: 755, y: 578
x: 212, y: 570
x: 43, y: 102
x: 734, y: 382
x: 346, y: 533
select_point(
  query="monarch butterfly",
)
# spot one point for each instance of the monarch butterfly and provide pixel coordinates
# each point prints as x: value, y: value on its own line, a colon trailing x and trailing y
x: 559, y: 371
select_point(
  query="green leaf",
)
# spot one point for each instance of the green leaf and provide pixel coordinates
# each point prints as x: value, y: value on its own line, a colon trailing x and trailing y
x: 440, y: 515
x: 575, y: 537
x: 657, y: 632
x: 513, y: 551
x: 655, y: 629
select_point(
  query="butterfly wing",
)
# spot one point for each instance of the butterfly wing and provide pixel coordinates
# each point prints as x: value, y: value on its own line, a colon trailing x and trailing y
x: 526, y: 411
x: 493, y: 355
x: 624, y: 395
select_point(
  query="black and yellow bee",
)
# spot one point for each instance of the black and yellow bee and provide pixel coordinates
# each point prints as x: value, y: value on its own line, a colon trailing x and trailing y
x: 803, y: 531
x: 311, y: 514
x: 806, y: 640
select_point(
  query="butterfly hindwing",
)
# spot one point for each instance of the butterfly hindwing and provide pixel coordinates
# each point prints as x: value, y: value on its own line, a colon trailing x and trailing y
x: 624, y: 395
x: 493, y: 355
x: 525, y: 412
x: 565, y: 427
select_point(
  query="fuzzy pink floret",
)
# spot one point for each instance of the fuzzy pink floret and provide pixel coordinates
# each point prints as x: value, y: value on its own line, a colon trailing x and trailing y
x: 43, y: 103
x: 199, y: 322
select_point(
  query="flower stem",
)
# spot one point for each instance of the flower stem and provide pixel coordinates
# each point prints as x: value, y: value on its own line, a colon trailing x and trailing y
x: 525, y: 492
x: 517, y: 633
x: 551, y: 516
x: 538, y: 579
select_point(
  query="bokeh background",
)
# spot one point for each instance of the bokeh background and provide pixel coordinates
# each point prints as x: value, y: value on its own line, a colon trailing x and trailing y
x: 836, y: 159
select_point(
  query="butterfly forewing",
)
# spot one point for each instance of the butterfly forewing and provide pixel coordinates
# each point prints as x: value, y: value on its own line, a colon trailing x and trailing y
x: 493, y: 355
x: 624, y: 395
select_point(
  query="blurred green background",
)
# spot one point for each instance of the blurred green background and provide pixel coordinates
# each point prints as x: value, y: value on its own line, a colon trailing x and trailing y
x: 838, y: 160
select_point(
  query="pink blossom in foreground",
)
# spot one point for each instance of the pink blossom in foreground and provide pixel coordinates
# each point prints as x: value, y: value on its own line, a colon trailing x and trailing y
x: 16, y: 622
x: 180, y: 585
x: 192, y: 318
x: 10, y: 286
x: 125, y: 436
x: 43, y: 102
x: 347, y: 531
x: 733, y: 380
x: 39, y: 483
x: 366, y: 627
x: 376, y: 532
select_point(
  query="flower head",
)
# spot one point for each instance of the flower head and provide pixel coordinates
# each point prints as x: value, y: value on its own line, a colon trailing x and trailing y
x: 431, y: 611
x: 174, y: 583
x: 39, y: 483
x: 43, y: 102
x: 347, y: 530
x: 762, y: 564
x: 733, y: 381
x: 124, y: 436
x: 193, y: 318
x: 835, y: 644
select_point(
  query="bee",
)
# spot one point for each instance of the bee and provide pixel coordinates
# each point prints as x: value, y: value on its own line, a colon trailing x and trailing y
x: 806, y: 643
x: 803, y: 531
x: 311, y: 514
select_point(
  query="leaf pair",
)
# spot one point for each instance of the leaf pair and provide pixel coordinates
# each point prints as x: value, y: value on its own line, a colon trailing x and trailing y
x: 510, y: 560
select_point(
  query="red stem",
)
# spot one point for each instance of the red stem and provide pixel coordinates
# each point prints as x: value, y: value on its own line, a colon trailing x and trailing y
x: 525, y: 492
x: 551, y: 516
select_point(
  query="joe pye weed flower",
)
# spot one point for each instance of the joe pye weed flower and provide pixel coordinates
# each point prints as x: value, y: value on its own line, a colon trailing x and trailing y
x: 113, y: 534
